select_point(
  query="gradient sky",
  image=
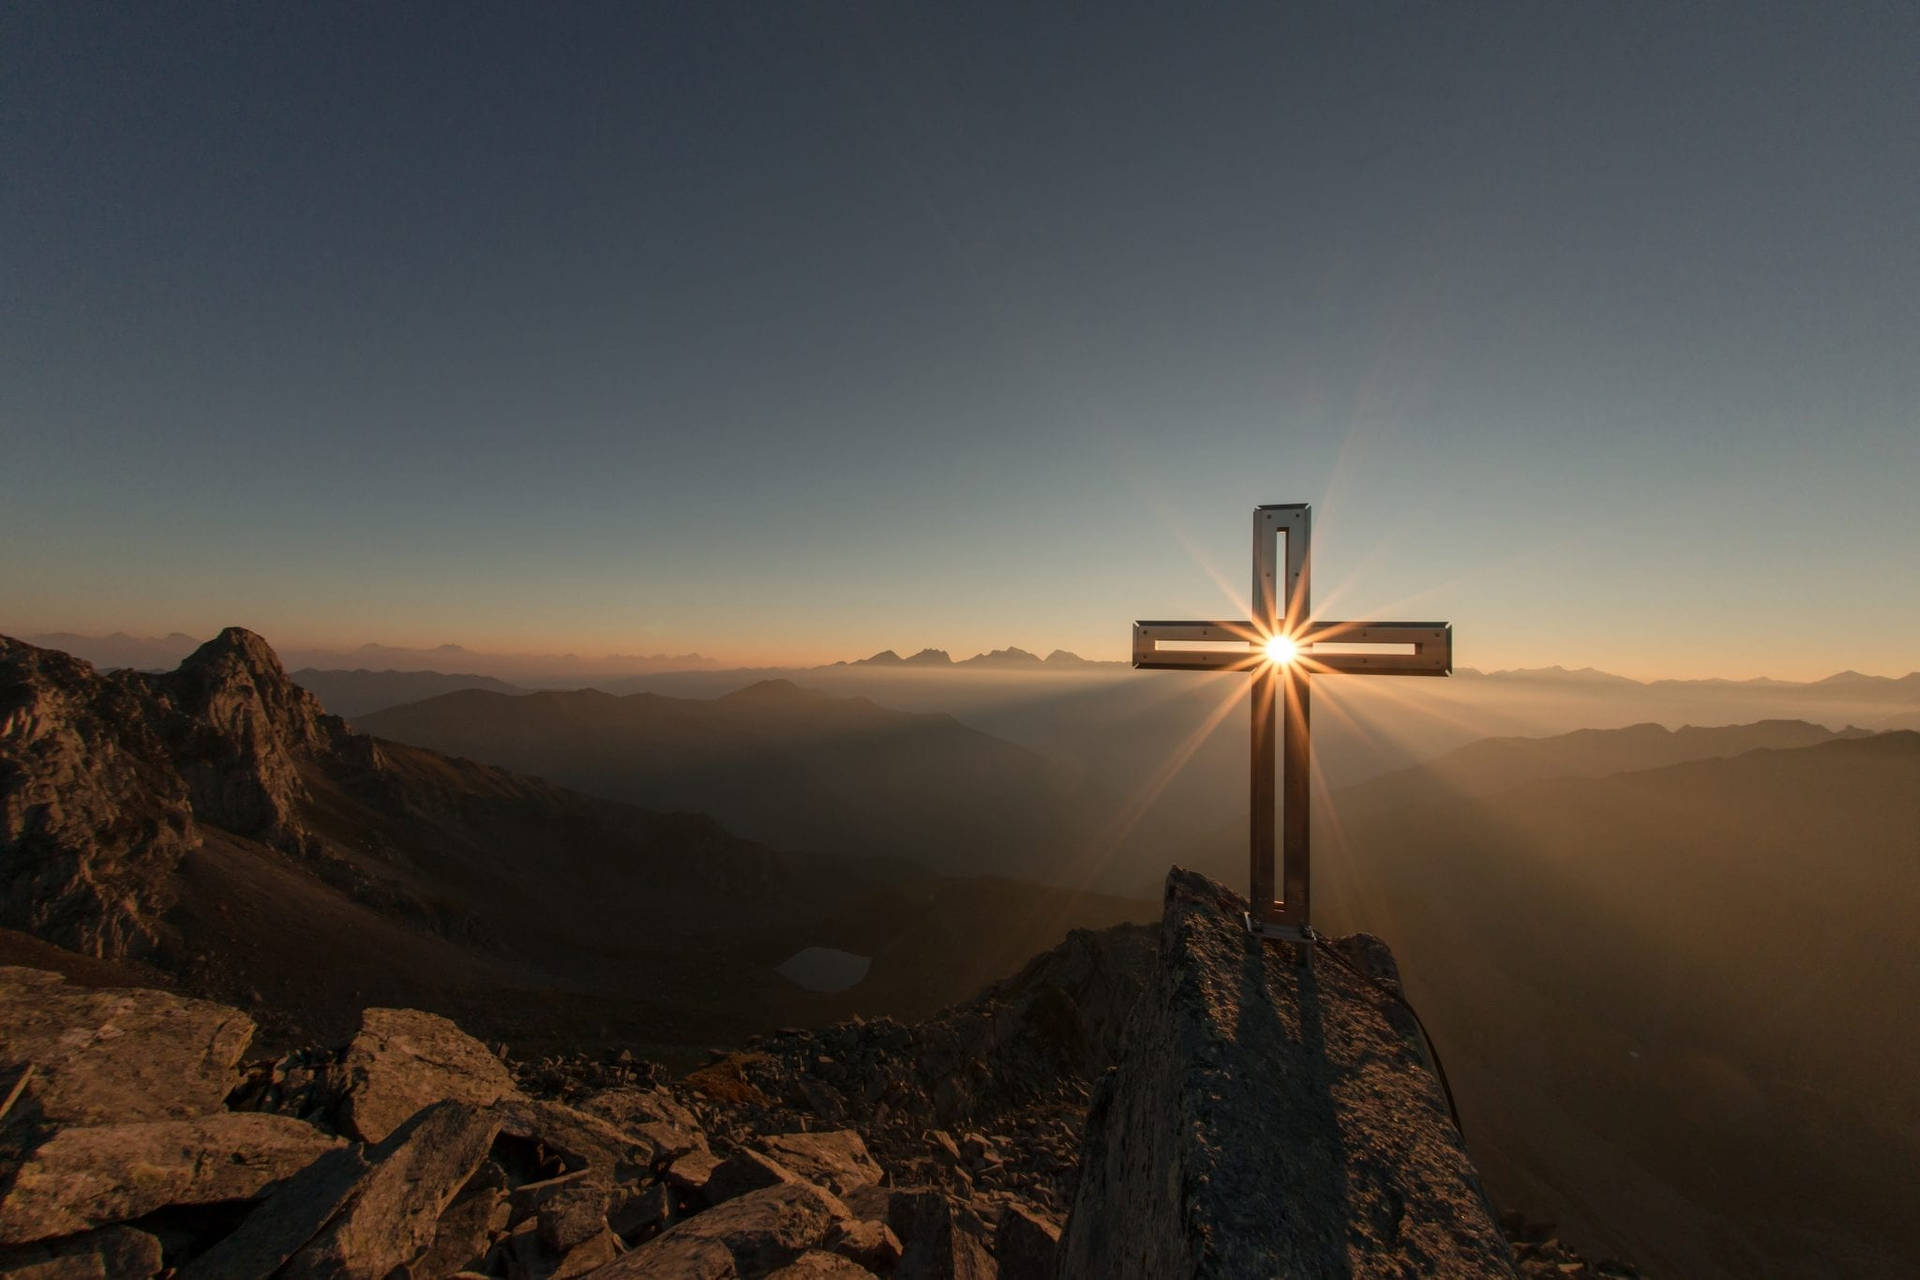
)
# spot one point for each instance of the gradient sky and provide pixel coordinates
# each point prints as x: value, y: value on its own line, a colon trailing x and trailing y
x: 794, y: 331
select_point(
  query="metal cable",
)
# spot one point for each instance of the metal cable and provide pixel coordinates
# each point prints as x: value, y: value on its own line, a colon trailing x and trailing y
x: 1426, y: 1039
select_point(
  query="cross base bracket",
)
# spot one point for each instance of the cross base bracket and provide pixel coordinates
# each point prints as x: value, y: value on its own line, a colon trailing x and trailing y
x: 1301, y: 935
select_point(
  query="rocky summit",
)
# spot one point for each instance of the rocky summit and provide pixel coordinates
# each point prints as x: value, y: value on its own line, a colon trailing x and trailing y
x: 1189, y: 1101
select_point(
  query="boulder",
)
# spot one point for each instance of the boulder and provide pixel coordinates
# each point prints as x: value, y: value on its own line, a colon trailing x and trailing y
x: 467, y: 1226
x: 1270, y: 1116
x: 403, y: 1060
x: 692, y: 1173
x: 940, y: 1242
x: 836, y: 1159
x: 571, y: 1217
x: 92, y: 1176
x: 814, y: 1263
x: 587, y: 1256
x: 1025, y: 1245
x: 287, y: 1219
x: 526, y: 1200
x: 743, y: 1171
x: 760, y: 1231
x: 632, y: 1210
x: 685, y: 1258
x: 118, y: 1054
x: 580, y: 1141
x: 113, y: 1253
x: 629, y: 1107
x: 669, y: 1141
x: 393, y: 1211
x: 871, y: 1244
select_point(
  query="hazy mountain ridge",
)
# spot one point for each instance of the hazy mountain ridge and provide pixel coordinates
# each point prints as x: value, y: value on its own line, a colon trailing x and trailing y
x: 791, y: 766
x: 1494, y: 764
x: 355, y: 693
x: 121, y: 649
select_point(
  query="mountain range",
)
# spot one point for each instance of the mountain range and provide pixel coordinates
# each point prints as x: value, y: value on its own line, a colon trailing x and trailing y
x: 1667, y: 968
x: 214, y: 824
x: 780, y: 764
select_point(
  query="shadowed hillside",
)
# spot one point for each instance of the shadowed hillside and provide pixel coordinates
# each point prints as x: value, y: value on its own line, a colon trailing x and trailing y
x: 1671, y: 1000
x: 355, y: 693
x: 789, y: 766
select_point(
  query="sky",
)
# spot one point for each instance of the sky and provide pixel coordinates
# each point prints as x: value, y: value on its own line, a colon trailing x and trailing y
x: 790, y: 332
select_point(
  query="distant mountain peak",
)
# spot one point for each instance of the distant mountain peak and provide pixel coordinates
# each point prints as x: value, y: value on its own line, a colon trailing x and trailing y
x: 884, y: 658
x: 930, y: 658
x: 1010, y: 656
x: 769, y: 691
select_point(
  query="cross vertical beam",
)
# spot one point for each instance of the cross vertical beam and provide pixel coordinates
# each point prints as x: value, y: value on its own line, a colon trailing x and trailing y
x: 1281, y: 600
x: 1282, y: 711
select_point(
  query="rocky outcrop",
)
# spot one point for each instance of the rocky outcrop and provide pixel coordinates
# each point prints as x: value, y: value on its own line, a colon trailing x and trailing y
x: 106, y: 778
x: 1271, y: 1116
x: 93, y: 816
x: 236, y: 730
x: 115, y: 1055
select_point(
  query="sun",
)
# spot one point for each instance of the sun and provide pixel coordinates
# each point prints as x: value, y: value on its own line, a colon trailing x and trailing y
x: 1282, y: 649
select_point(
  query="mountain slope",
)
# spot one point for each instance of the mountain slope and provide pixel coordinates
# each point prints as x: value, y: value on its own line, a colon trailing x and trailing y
x: 214, y: 823
x: 1667, y: 997
x: 350, y: 694
x: 789, y: 766
x: 1494, y: 764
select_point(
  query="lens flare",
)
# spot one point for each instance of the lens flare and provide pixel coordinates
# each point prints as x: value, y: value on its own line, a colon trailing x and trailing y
x: 1282, y: 649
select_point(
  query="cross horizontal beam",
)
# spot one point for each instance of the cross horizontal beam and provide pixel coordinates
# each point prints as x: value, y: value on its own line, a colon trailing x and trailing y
x: 1325, y: 647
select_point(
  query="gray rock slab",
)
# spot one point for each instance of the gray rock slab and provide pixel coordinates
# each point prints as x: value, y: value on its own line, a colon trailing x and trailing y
x: 1270, y: 1118
x: 760, y: 1231
x: 390, y: 1218
x: 106, y: 1056
x: 870, y: 1243
x: 402, y: 1060
x: 1026, y: 1245
x: 627, y: 1107
x: 685, y: 1258
x: 691, y: 1174
x: 941, y: 1243
x: 291, y: 1215
x: 112, y: 1253
x: 743, y: 1171
x: 815, y: 1265
x: 467, y: 1226
x: 836, y: 1159
x: 580, y: 1140
x: 94, y: 1175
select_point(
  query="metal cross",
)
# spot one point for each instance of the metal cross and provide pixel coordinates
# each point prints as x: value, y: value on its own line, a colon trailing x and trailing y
x: 1283, y: 645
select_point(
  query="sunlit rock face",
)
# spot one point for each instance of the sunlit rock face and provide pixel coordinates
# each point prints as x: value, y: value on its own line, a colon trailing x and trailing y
x: 237, y: 729
x: 106, y: 778
x: 1272, y: 1118
x: 824, y: 969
